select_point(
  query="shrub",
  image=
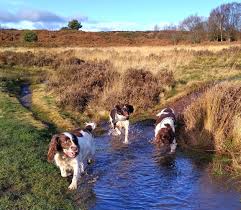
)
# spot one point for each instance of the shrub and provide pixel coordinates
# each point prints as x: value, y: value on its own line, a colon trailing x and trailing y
x: 74, y: 25
x: 141, y: 88
x: 77, y: 85
x: 30, y: 36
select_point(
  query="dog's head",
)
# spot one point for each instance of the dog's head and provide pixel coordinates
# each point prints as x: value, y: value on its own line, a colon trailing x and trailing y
x: 165, y: 135
x: 124, y: 109
x: 66, y: 143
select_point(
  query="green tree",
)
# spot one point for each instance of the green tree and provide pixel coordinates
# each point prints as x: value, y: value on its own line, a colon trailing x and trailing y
x: 74, y: 24
x: 30, y: 36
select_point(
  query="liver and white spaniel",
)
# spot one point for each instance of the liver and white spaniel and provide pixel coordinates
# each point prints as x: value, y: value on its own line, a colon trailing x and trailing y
x: 70, y: 150
x: 119, y: 118
x: 165, y: 129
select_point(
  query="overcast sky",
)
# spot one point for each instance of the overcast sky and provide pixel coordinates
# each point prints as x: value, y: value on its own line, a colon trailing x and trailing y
x: 100, y: 15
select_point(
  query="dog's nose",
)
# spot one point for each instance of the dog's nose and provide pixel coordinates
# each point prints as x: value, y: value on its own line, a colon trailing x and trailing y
x: 74, y: 148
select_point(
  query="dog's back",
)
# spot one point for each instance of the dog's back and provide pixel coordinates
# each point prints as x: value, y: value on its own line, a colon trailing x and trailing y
x: 165, y: 128
x: 86, y: 141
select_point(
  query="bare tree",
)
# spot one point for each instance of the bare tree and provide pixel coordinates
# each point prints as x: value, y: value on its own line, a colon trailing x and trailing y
x: 156, y: 28
x: 196, y: 25
x: 170, y: 27
x: 224, y: 21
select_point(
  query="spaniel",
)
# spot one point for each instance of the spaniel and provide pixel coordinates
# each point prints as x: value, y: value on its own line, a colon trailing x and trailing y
x: 165, y: 129
x: 70, y: 151
x: 119, y: 118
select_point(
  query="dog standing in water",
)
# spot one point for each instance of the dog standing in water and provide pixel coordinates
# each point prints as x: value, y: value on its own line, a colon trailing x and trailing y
x: 165, y: 129
x: 119, y: 118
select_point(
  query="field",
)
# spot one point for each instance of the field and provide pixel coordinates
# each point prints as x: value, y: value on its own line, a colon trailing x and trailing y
x: 72, y: 85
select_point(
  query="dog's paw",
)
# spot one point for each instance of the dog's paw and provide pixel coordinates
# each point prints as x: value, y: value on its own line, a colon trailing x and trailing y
x: 72, y: 186
x: 64, y: 173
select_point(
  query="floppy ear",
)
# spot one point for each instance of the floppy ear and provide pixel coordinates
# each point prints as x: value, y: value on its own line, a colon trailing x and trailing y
x: 158, y: 139
x: 118, y: 107
x: 130, y: 108
x: 170, y: 132
x: 53, y: 147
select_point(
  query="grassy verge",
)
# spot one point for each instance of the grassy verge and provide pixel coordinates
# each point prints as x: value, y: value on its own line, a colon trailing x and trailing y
x: 213, y: 121
x: 27, y: 181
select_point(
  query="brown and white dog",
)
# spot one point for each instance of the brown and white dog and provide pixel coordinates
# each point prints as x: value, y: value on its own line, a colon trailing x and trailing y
x: 165, y: 129
x: 119, y: 118
x: 70, y: 150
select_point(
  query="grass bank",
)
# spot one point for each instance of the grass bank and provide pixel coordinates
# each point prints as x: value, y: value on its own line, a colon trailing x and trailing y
x: 27, y: 181
x: 213, y: 123
x: 74, y: 86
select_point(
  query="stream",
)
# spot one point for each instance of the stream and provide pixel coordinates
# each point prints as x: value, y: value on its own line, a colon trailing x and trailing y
x: 137, y: 176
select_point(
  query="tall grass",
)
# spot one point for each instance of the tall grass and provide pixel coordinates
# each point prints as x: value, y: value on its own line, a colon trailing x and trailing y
x: 214, y: 120
x: 79, y: 83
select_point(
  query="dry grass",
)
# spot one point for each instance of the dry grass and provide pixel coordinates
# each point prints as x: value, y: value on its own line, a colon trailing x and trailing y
x: 77, y: 85
x: 175, y: 68
x: 214, y: 121
x: 123, y: 58
x: 94, y: 79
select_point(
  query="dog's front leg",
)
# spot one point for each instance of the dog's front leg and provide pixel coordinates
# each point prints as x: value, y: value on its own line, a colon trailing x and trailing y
x: 126, y: 126
x: 63, y: 172
x: 118, y: 131
x: 173, y: 146
x: 76, y: 176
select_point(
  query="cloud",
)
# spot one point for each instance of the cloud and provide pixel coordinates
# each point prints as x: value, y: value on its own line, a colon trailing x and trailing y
x: 110, y: 26
x: 39, y: 16
x: 29, y: 15
x: 39, y: 19
x: 122, y: 26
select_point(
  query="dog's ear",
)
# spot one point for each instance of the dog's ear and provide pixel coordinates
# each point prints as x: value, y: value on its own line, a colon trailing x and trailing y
x: 53, y: 147
x: 170, y: 132
x: 130, y: 108
x: 119, y: 107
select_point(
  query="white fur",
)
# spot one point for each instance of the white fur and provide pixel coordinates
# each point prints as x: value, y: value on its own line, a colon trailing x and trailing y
x: 161, y: 125
x: 86, y: 152
x: 163, y: 112
x: 167, y: 120
x: 122, y: 122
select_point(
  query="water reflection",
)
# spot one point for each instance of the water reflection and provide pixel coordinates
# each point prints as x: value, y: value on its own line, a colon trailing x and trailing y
x: 138, y: 176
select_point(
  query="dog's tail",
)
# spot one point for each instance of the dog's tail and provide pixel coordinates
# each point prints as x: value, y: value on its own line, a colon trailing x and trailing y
x: 90, y: 126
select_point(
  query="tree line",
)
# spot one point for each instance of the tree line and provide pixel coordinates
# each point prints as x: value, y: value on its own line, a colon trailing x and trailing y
x: 223, y: 24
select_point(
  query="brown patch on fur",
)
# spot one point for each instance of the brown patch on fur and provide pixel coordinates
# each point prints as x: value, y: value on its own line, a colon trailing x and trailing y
x: 77, y: 133
x: 165, y: 136
x: 163, y: 116
x: 88, y: 129
x: 53, y: 146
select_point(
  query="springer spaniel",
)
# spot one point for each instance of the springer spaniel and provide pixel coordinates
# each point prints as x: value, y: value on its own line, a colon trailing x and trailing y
x: 165, y: 129
x: 70, y: 150
x: 119, y: 118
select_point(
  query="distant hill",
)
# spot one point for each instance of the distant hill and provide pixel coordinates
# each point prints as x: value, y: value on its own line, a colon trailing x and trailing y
x: 70, y: 38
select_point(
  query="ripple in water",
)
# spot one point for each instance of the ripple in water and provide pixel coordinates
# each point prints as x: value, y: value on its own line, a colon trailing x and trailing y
x: 136, y: 176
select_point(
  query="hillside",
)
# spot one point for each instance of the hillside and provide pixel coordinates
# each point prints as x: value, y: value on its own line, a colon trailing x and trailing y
x: 71, y: 38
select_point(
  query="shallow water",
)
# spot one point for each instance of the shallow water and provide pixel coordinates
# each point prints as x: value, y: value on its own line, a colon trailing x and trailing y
x: 136, y: 176
x: 25, y: 95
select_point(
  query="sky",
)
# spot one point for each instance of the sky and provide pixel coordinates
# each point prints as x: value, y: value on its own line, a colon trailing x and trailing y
x: 101, y: 15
